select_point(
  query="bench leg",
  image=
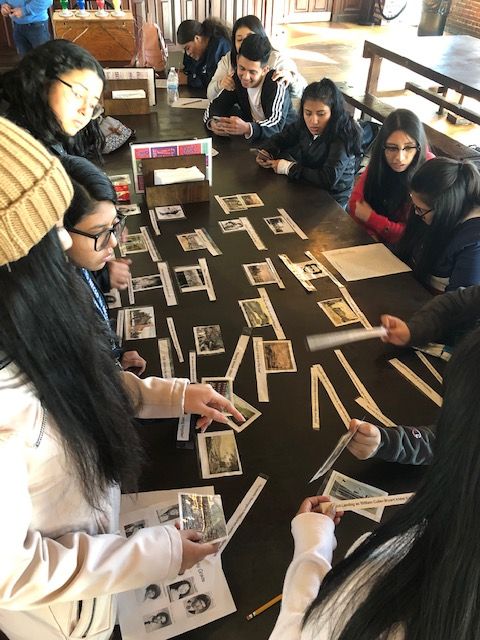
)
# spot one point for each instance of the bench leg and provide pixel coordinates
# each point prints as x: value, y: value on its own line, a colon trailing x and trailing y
x: 373, y: 73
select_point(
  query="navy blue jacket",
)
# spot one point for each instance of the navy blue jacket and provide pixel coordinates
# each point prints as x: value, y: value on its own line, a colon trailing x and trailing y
x: 200, y: 72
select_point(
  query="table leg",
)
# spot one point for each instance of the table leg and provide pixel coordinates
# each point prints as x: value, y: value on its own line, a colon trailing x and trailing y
x: 373, y: 73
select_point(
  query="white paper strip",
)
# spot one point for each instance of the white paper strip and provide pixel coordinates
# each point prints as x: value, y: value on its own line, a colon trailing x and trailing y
x: 207, y: 279
x: 192, y: 361
x: 429, y: 366
x: 166, y: 361
x: 307, y: 284
x: 237, y: 357
x: 416, y: 381
x: 152, y: 250
x: 355, y: 379
x: 262, y: 386
x: 208, y: 242
x: 223, y: 205
x: 183, y: 431
x: 334, y: 455
x: 321, y: 341
x: 363, y: 318
x: 275, y: 273
x: 253, y: 234
x: 277, y: 327
x: 120, y: 324
x: 244, y: 507
x: 301, y: 234
x: 131, y: 295
x: 366, y: 503
x: 329, y: 388
x: 314, y: 399
x: 153, y: 220
x: 375, y: 412
x: 168, y: 290
x: 174, y: 337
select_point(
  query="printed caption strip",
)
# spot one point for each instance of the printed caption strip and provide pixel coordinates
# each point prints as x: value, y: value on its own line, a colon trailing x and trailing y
x: 416, y: 381
x: 152, y: 250
x: 255, y: 238
x: 168, y: 290
x: 237, y: 356
x: 166, y: 360
x: 174, y: 337
x: 322, y: 377
x: 368, y: 503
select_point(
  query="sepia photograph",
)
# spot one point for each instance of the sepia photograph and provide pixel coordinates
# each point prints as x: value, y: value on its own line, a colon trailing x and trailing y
x: 203, y: 513
x: 135, y: 243
x: 190, y: 241
x: 278, y: 225
x: 171, y: 212
x: 338, y: 311
x: 181, y: 589
x: 249, y: 412
x: 128, y: 209
x: 190, y: 278
x: 158, y: 620
x: 208, y: 340
x: 218, y: 454
x: 255, y: 312
x: 251, y: 199
x: 139, y: 323
x: 144, y: 283
x: 259, y: 273
x: 229, y: 226
x: 168, y: 514
x: 222, y: 385
x: 342, y: 487
x: 132, y: 527
x: 310, y: 270
x: 278, y: 355
x: 233, y: 203
x: 198, y: 604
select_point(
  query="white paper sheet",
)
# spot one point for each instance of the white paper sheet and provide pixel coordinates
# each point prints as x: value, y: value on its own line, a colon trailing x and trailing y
x: 365, y: 261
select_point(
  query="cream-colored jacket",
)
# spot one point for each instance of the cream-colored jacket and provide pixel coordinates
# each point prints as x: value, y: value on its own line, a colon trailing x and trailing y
x: 61, y: 561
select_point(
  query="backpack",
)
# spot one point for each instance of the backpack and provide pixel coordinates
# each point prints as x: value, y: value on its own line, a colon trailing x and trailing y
x: 152, y: 50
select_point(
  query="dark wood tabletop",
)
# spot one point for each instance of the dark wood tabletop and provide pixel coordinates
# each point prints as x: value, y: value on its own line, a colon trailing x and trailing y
x: 281, y: 443
x: 451, y: 61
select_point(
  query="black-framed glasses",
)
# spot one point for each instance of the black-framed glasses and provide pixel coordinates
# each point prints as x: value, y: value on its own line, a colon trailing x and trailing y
x: 392, y: 149
x: 103, y: 238
x: 421, y: 213
x: 81, y: 94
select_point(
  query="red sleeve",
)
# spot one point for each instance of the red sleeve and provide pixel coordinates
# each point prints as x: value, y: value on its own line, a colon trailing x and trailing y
x: 357, y: 194
x: 385, y: 229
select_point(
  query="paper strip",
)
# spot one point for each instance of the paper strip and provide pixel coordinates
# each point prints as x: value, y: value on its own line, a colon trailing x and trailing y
x: 153, y: 220
x: 120, y: 324
x: 329, y: 388
x: 307, y: 284
x: 168, y: 290
x: 328, y: 273
x: 192, y: 361
x: 244, y: 507
x: 207, y: 279
x: 183, y: 431
x: 301, y: 234
x: 131, y: 294
x: 363, y: 318
x: 375, y: 412
x: 237, y: 357
x: 275, y: 273
x: 253, y: 234
x: 314, y: 399
x: 262, y: 386
x: 277, y: 327
x: 174, y: 337
x: 416, y: 381
x: 429, y: 366
x: 334, y: 455
x: 321, y: 341
x: 374, y: 501
x: 355, y: 379
x: 152, y: 250
x: 208, y: 242
x: 166, y: 361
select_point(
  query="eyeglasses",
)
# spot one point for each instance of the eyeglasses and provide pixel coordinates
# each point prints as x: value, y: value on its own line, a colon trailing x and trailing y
x: 81, y: 94
x: 103, y: 238
x: 392, y: 149
x: 421, y: 213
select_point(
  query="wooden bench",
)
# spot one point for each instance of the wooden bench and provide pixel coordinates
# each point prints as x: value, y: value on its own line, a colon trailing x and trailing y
x: 442, y: 102
x: 439, y: 143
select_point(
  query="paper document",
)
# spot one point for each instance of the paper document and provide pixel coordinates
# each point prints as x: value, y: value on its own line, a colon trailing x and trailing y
x: 366, y: 261
x: 174, y: 176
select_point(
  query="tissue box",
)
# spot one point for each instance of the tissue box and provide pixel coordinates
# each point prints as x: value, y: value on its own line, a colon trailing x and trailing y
x: 179, y: 193
x: 125, y: 106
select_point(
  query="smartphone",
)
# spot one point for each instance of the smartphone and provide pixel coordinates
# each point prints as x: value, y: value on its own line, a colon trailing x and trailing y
x: 216, y: 117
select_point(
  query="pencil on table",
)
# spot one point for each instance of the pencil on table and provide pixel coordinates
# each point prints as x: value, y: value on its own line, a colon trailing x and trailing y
x: 264, y: 607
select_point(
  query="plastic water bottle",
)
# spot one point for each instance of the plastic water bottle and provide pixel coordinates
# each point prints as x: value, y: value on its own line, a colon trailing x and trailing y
x: 172, y: 86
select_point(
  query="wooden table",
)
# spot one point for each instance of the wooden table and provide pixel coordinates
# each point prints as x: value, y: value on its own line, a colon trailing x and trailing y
x: 111, y: 39
x: 281, y: 443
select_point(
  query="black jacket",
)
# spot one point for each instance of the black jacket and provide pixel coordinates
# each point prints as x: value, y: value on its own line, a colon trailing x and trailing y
x: 276, y: 105
x: 406, y: 445
x: 200, y: 72
x: 328, y: 166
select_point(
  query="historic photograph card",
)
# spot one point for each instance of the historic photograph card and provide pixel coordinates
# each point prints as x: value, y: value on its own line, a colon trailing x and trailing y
x: 135, y: 243
x: 344, y: 488
x: 278, y: 356
x: 190, y: 241
x: 203, y: 514
x: 338, y: 311
x: 139, y: 323
x: 278, y: 225
x: 218, y: 454
x: 170, y: 212
x: 128, y: 209
x: 259, y: 273
x: 255, y: 312
x: 208, y: 340
x: 145, y: 283
x: 249, y: 412
x: 222, y: 385
x: 230, y: 226
x: 190, y: 278
x: 251, y: 199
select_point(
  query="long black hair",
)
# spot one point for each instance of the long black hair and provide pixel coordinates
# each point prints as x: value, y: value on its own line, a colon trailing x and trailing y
x: 25, y: 89
x: 341, y: 124
x: 386, y: 191
x: 50, y: 330
x: 90, y: 186
x: 451, y: 189
x: 421, y: 569
x: 209, y: 28
x: 251, y: 22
